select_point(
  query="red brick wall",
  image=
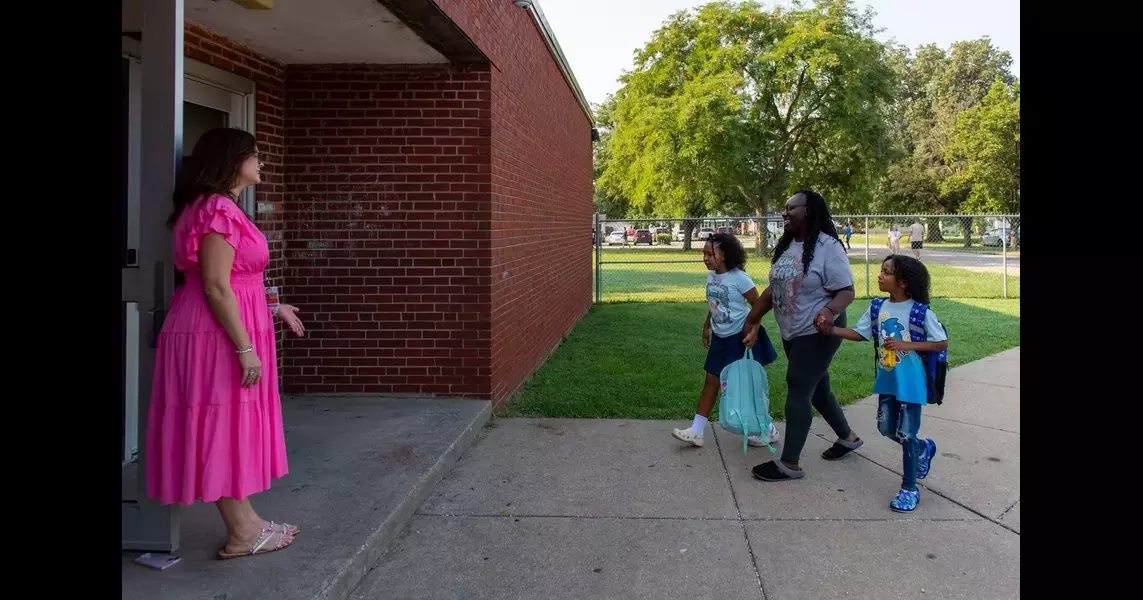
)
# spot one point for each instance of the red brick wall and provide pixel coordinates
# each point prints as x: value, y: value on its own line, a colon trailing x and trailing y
x: 387, y: 243
x: 541, y: 192
x: 431, y: 221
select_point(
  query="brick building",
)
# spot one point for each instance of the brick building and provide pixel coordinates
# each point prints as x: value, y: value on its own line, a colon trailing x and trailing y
x: 426, y: 193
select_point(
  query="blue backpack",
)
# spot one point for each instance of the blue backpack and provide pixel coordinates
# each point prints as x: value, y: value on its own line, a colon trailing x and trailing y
x: 936, y: 363
x: 744, y: 408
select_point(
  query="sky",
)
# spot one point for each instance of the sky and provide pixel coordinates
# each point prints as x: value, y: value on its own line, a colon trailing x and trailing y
x: 599, y: 37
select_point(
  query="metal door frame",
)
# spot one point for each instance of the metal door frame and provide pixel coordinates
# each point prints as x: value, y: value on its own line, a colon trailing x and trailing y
x: 155, y: 153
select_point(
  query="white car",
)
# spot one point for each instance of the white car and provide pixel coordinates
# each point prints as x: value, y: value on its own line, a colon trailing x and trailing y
x: 616, y: 237
x: 704, y: 233
x: 993, y: 238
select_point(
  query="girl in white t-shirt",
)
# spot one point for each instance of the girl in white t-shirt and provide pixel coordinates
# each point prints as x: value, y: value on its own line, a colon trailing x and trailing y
x: 732, y: 324
x: 894, y: 240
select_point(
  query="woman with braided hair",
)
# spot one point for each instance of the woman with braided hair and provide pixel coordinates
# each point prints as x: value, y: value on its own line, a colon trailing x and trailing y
x: 809, y: 278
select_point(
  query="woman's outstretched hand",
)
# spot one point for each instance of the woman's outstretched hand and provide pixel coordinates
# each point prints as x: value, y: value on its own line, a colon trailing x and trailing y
x: 288, y: 314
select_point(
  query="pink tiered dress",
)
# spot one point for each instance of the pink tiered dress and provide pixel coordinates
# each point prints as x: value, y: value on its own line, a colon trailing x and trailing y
x: 207, y: 436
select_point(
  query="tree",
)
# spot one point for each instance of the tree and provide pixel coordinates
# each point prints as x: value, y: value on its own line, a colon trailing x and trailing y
x: 934, y: 87
x: 667, y: 116
x: 986, y: 141
x: 608, y: 201
x: 732, y: 98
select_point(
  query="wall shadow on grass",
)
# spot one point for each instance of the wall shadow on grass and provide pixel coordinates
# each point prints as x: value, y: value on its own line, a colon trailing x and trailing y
x: 644, y: 360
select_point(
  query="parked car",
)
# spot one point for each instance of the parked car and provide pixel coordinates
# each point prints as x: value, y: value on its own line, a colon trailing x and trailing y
x: 704, y: 233
x: 680, y: 234
x: 994, y: 237
x: 643, y: 235
x: 729, y: 230
x: 616, y: 237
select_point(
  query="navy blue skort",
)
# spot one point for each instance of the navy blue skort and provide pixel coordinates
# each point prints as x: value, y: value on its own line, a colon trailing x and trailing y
x: 725, y: 350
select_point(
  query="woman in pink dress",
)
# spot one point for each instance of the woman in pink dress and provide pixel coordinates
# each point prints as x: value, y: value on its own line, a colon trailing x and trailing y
x: 214, y: 431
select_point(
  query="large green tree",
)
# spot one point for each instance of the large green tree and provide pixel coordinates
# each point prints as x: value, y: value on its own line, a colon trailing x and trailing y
x: 732, y: 98
x: 608, y: 201
x: 935, y: 86
x: 986, y: 146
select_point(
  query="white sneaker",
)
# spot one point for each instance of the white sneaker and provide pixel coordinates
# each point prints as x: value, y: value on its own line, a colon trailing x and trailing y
x: 756, y: 440
x: 688, y: 436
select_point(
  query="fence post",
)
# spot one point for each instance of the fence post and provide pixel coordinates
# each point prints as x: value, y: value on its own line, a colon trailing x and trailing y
x: 598, y: 256
x: 1004, y: 255
x: 867, y: 293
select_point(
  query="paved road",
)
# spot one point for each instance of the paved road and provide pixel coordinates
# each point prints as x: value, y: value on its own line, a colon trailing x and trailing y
x: 602, y: 509
x: 973, y: 261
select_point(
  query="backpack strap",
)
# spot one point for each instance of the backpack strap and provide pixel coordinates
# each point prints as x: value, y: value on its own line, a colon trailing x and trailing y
x: 917, y: 322
x: 875, y: 329
x: 917, y: 328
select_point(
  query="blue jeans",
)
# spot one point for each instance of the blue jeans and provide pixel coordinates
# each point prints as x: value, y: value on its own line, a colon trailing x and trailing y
x: 900, y: 422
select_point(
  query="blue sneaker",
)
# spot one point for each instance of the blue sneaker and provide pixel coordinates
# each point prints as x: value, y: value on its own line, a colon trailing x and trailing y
x: 926, y: 461
x: 906, y: 501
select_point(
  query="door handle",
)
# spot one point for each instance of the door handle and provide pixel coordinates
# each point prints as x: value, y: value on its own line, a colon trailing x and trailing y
x: 159, y: 312
x: 158, y: 315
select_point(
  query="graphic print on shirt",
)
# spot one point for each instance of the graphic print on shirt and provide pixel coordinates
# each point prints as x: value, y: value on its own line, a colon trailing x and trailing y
x: 787, y: 273
x: 891, y: 327
x: 718, y: 297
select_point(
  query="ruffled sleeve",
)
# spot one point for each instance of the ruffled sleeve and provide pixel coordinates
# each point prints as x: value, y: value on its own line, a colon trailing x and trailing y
x: 218, y: 214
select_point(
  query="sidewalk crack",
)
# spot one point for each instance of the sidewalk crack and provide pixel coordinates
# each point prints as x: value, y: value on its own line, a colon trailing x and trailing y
x: 1007, y: 510
x: 741, y: 521
x: 945, y: 496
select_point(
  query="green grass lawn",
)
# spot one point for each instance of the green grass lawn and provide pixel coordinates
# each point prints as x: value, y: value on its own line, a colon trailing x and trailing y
x: 631, y: 276
x: 645, y: 360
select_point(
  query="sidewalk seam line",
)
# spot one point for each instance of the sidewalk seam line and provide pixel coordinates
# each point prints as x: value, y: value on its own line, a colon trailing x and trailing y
x: 964, y: 506
x: 706, y: 519
x: 1011, y: 387
x: 931, y: 416
x: 738, y: 511
x: 1007, y: 510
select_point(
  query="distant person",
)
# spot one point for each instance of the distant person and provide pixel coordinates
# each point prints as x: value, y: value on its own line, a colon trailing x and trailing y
x: 901, y: 382
x: 734, y: 320
x: 917, y: 238
x: 629, y: 234
x: 848, y: 231
x: 894, y: 240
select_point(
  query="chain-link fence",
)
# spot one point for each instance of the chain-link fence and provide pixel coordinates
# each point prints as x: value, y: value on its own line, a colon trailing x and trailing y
x: 660, y: 260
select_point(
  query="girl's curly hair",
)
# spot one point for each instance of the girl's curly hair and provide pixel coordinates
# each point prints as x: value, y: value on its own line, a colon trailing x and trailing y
x: 731, y: 249
x: 914, y: 273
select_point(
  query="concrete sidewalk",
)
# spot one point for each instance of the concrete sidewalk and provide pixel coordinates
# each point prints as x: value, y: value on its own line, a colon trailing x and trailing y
x: 567, y: 508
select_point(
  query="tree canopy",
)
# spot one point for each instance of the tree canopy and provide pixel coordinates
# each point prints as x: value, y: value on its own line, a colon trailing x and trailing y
x: 731, y: 107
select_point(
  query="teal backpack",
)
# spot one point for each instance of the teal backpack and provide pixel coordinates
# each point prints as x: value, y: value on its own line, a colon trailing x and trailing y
x: 745, y: 405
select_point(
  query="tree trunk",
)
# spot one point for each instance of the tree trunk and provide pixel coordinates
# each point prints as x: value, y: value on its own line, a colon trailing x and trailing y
x: 688, y: 233
x: 933, y: 231
x: 966, y: 228
x: 761, y: 236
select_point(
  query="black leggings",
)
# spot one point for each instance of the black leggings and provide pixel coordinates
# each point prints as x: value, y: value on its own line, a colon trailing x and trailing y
x: 807, y: 384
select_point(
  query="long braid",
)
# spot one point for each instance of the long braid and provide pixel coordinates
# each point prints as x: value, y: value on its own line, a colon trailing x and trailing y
x: 818, y: 221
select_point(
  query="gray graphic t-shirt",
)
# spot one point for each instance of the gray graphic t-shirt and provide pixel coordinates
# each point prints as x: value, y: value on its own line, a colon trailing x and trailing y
x: 798, y: 296
x: 726, y: 295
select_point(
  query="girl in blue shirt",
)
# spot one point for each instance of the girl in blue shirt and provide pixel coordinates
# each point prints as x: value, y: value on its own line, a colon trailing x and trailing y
x: 727, y: 333
x: 901, y: 383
